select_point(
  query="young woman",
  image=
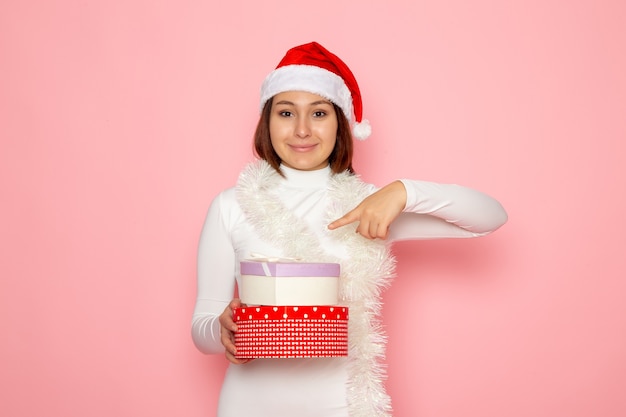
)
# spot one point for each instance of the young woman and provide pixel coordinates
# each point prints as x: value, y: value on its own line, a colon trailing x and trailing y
x: 302, y: 200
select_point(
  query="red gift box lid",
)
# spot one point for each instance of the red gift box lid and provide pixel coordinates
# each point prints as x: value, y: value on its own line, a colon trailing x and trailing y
x: 290, y: 312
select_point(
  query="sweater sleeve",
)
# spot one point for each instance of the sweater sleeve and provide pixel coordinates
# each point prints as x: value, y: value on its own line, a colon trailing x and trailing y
x: 446, y: 211
x: 216, y: 277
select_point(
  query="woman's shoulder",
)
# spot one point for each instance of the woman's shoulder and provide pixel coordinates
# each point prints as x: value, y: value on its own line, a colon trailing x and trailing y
x: 225, y: 208
x: 226, y: 198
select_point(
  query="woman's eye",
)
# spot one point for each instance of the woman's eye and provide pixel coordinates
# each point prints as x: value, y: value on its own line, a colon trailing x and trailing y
x: 285, y: 113
x: 319, y: 113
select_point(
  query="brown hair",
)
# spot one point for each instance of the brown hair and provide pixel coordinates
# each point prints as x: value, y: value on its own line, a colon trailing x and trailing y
x: 340, y: 158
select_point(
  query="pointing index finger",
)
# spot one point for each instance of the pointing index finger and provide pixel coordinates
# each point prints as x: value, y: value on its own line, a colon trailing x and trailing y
x: 346, y: 219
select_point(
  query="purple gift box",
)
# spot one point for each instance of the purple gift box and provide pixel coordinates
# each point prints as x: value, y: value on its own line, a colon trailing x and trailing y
x: 289, y: 283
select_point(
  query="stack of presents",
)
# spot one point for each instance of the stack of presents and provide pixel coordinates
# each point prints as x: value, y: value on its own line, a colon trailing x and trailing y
x: 291, y: 311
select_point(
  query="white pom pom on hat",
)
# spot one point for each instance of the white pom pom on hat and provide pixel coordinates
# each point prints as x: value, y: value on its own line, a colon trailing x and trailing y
x: 362, y: 130
x: 314, y: 69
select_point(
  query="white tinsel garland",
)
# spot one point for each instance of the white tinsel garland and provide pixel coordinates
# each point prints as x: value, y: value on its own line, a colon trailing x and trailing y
x: 367, y: 272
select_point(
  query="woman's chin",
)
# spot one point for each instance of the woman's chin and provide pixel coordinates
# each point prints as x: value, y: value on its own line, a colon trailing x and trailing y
x: 306, y: 165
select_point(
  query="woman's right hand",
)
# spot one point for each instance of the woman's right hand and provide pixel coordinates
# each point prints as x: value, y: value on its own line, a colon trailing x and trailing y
x: 228, y: 329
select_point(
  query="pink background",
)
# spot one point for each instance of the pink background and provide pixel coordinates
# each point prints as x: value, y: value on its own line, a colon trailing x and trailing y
x: 121, y: 120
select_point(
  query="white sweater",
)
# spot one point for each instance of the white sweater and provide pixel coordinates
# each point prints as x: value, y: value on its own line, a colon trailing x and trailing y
x: 309, y: 387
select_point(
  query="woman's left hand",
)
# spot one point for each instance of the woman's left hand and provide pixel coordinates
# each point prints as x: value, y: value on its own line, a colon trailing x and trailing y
x: 376, y: 212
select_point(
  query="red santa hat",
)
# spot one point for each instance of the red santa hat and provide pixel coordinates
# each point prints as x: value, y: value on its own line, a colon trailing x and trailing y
x: 312, y: 68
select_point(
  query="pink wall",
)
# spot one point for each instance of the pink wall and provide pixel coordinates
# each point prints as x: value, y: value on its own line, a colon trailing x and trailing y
x: 121, y: 120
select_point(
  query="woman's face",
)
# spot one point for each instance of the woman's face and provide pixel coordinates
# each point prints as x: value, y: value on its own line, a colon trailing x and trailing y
x: 303, y: 129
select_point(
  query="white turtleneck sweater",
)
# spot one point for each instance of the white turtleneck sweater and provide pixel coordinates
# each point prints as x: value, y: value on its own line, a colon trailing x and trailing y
x: 308, y: 387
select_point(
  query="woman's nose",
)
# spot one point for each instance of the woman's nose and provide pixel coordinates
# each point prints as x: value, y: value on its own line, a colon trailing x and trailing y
x: 303, y: 129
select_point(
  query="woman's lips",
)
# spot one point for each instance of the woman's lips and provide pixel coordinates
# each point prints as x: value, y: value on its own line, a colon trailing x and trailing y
x: 302, y: 148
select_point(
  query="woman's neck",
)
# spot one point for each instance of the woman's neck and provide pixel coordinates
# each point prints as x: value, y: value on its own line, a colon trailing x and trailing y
x: 306, y: 178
